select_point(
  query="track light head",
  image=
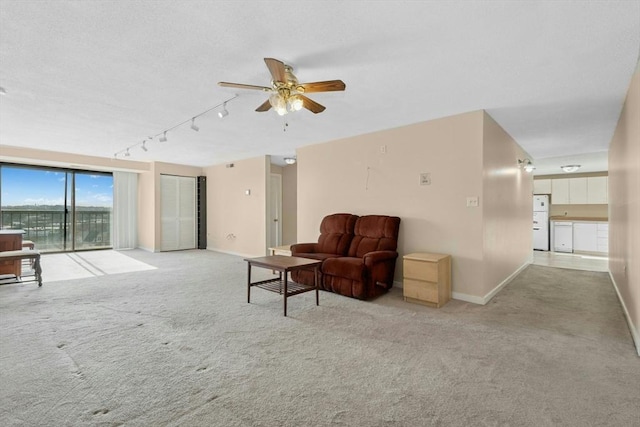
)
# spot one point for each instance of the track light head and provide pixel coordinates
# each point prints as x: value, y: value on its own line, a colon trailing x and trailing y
x: 163, y: 138
x: 126, y: 153
x: 144, y: 146
x: 193, y: 125
x: 224, y: 113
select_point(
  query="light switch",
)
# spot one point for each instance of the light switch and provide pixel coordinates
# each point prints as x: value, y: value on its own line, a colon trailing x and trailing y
x: 472, y: 202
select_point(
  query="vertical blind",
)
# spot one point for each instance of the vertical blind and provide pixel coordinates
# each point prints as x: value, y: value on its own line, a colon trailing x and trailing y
x: 125, y: 210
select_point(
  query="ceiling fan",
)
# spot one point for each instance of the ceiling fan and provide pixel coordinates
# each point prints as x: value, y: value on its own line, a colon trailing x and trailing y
x: 286, y: 93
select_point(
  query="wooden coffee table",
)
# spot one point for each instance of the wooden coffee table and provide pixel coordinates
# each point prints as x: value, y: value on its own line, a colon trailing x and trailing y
x: 283, y: 264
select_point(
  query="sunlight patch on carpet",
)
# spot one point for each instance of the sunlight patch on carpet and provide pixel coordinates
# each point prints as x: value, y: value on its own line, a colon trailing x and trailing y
x: 79, y: 265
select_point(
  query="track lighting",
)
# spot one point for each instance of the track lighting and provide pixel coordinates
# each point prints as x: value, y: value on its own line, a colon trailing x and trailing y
x: 224, y: 113
x: 163, y: 135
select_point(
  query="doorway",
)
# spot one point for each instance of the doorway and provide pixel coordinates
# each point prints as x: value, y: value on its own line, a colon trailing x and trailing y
x: 275, y: 210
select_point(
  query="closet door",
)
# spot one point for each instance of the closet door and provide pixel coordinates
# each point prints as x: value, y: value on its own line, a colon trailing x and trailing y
x: 178, y: 212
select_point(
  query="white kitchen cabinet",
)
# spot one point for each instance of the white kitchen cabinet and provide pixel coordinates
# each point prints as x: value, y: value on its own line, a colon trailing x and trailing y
x: 603, y: 237
x: 541, y: 186
x: 560, y: 191
x: 585, y: 237
x: 577, y: 191
x: 597, y: 190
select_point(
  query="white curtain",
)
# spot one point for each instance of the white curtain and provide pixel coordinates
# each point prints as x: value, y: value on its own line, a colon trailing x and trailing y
x: 125, y: 210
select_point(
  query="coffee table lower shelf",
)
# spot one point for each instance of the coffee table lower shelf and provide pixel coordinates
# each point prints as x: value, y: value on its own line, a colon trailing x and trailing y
x: 281, y: 285
x: 277, y: 285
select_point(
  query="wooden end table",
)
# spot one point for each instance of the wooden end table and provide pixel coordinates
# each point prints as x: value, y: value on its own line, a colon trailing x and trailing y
x: 283, y: 264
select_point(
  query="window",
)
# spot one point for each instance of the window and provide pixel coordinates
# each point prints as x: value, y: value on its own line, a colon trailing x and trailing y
x: 59, y: 209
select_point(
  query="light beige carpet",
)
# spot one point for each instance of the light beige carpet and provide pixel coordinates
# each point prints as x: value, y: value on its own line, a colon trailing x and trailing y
x: 179, y: 345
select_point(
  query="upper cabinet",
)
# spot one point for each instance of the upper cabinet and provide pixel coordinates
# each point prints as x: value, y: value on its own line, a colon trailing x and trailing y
x: 560, y: 191
x: 597, y: 190
x: 576, y: 191
x: 541, y: 186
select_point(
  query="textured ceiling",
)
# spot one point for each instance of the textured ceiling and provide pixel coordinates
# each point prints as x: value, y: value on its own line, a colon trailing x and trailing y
x: 94, y: 77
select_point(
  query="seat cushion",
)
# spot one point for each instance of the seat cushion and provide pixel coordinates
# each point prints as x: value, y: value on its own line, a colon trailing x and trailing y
x: 347, y: 267
x: 312, y: 255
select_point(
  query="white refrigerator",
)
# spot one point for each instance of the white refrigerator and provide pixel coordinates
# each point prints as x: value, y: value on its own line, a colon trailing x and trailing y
x: 541, y: 223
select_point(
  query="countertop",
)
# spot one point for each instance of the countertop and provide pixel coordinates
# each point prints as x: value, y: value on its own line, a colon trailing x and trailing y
x: 578, y: 218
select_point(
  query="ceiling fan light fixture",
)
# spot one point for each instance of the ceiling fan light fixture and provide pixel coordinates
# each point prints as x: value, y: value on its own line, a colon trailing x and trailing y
x: 570, y: 168
x: 278, y: 103
x: 295, y: 103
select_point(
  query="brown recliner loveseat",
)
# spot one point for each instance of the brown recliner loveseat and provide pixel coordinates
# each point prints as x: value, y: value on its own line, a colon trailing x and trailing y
x: 358, y: 254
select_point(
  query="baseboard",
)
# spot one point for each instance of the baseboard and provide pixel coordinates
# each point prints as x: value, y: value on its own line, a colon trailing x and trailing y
x: 505, y: 282
x: 484, y: 300
x: 146, y: 249
x: 634, y: 332
x: 233, y: 253
x: 467, y: 298
x: 397, y: 284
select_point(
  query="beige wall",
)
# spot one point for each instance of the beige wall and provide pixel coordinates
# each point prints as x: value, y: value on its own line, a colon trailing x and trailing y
x: 587, y: 211
x: 624, y: 208
x: 507, y: 207
x: 289, y: 204
x: 236, y: 222
x: 32, y: 156
x: 354, y: 175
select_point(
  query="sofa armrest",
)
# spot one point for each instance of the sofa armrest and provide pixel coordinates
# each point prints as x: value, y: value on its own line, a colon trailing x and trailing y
x: 375, y: 257
x: 304, y: 248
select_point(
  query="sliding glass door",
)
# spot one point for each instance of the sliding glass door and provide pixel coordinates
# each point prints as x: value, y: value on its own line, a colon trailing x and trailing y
x: 59, y: 210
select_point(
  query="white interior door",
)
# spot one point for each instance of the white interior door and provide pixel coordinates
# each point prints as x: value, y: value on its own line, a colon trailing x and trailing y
x: 275, y: 211
x: 178, y: 205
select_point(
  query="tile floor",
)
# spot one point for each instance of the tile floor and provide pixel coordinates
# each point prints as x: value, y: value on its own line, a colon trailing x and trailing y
x: 573, y: 261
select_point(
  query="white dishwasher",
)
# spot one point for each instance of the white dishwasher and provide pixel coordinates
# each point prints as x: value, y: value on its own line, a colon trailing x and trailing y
x: 563, y: 236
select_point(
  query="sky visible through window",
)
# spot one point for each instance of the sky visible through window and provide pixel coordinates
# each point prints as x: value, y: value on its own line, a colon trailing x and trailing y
x: 33, y: 187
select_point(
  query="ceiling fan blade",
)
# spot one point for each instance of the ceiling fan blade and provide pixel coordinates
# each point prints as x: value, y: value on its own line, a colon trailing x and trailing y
x: 311, y: 105
x: 265, y: 106
x: 243, y: 86
x: 276, y: 68
x: 328, y: 86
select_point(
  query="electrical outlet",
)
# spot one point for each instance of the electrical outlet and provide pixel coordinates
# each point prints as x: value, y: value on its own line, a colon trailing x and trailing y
x: 425, y: 179
x: 383, y: 149
x: 472, y: 202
